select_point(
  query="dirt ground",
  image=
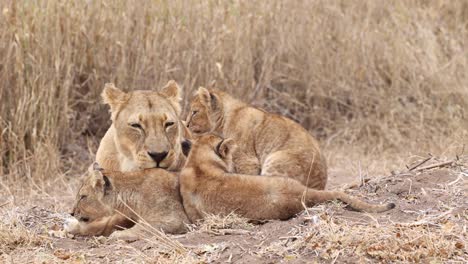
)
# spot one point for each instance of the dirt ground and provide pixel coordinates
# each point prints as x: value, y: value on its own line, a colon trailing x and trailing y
x: 428, y: 225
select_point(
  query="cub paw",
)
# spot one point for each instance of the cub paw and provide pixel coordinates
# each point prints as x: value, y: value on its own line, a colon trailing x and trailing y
x: 124, y: 235
x: 71, y: 226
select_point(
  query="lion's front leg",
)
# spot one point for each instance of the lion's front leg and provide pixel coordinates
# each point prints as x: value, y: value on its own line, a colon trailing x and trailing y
x: 100, y: 227
x: 94, y: 228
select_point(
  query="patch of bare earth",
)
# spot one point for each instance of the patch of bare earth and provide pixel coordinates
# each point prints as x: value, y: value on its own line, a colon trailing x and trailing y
x: 429, y: 224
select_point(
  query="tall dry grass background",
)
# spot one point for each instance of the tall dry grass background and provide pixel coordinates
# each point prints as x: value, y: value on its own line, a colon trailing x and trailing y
x: 377, y: 76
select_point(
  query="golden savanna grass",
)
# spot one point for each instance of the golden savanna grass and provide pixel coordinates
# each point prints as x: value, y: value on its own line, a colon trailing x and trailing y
x: 379, y: 82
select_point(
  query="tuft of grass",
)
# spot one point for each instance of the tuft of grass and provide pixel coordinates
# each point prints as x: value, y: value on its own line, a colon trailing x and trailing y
x: 425, y: 234
x: 14, y: 236
x: 222, y: 225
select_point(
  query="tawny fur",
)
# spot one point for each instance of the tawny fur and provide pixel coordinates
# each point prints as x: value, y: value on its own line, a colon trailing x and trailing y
x: 126, y: 148
x: 150, y: 195
x: 103, y: 226
x: 140, y: 122
x: 269, y: 144
x: 207, y: 186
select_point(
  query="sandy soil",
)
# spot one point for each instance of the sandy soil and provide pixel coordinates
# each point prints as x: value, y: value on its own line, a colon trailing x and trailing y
x: 429, y: 224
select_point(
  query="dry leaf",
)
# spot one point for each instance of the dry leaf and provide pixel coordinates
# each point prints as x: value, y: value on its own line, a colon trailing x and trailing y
x: 61, y: 254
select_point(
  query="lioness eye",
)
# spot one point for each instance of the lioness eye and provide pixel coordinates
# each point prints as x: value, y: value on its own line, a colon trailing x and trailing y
x: 194, y: 112
x: 136, y: 125
x: 82, y: 197
x: 168, y: 124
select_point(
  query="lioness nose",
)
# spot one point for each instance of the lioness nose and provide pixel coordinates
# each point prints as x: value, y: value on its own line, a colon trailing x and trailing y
x: 157, y: 156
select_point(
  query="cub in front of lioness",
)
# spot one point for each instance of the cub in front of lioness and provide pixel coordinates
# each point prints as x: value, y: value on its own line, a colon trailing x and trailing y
x: 146, y: 132
x: 109, y: 201
x: 208, y: 186
x: 269, y: 144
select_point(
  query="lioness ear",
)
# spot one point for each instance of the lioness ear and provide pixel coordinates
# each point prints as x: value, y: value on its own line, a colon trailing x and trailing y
x: 113, y: 96
x: 226, y: 147
x: 173, y: 93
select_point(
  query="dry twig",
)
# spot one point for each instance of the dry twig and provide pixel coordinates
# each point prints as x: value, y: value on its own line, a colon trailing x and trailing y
x: 3, y: 204
x: 436, y: 165
x: 420, y: 163
x: 427, y: 220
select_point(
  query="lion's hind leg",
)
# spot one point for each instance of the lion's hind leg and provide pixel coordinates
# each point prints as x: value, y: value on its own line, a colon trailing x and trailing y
x: 308, y: 169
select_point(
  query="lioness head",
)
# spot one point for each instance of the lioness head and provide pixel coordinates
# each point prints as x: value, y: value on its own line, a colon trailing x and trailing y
x: 214, y: 150
x: 205, y: 111
x: 89, y: 204
x: 148, y: 130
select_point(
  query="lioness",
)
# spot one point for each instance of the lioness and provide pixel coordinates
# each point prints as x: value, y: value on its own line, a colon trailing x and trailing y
x: 269, y: 144
x: 146, y: 130
x: 150, y: 195
x: 208, y: 186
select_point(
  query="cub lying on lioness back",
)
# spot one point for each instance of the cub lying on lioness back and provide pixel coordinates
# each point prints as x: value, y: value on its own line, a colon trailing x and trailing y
x: 207, y: 186
x: 269, y: 144
x: 150, y: 195
x: 146, y: 130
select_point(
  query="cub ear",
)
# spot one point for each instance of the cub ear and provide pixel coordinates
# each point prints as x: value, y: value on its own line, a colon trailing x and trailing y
x: 204, y: 95
x: 102, y: 181
x: 97, y: 167
x: 113, y: 96
x: 107, y: 184
x: 187, y: 134
x: 207, y: 98
x: 226, y: 147
x: 173, y: 93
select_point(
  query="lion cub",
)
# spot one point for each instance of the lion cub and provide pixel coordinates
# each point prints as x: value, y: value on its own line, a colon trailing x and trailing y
x: 269, y: 144
x: 150, y: 195
x: 207, y: 186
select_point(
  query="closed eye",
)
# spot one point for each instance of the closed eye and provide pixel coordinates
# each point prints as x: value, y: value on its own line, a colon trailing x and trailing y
x: 218, y: 147
x: 83, y: 197
x: 168, y: 124
x: 136, y: 125
x: 194, y: 113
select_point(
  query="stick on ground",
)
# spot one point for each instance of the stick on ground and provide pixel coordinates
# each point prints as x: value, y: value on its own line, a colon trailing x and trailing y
x: 436, y: 165
x: 420, y: 163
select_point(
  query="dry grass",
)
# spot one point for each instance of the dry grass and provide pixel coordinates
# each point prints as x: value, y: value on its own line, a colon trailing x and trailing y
x: 381, y: 75
x: 17, y: 231
x: 223, y: 225
x: 428, y: 225
x: 334, y: 236
x: 415, y: 233
x: 13, y: 236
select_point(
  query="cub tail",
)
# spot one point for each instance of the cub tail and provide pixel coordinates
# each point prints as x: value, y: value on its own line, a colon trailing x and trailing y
x: 314, y: 196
